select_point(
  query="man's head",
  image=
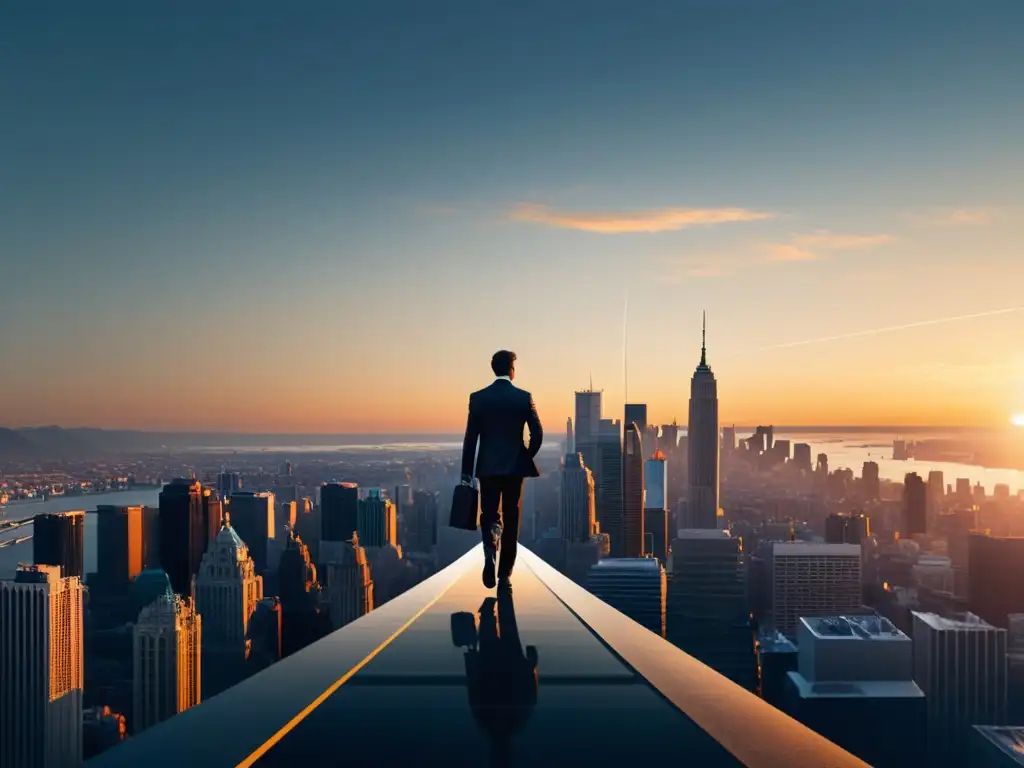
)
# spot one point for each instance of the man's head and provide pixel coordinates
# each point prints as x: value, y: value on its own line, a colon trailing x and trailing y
x: 504, y: 363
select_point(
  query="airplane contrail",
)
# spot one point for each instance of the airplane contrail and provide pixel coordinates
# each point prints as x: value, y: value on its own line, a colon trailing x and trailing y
x: 888, y: 329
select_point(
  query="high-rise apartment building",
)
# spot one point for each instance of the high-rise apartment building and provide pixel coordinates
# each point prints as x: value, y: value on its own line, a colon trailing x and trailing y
x: 703, y: 438
x: 59, y: 539
x: 167, y: 647
x: 577, y: 503
x: 632, y: 543
x: 351, y: 588
x: 960, y: 664
x: 634, y: 586
x: 814, y: 580
x: 656, y: 505
x: 120, y: 545
x: 252, y: 518
x: 802, y: 456
x: 183, y: 534
x: 227, y: 590
x: 41, y: 669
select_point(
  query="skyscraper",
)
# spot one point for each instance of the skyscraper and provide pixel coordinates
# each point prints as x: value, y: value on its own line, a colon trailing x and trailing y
x: 41, y: 666
x: 377, y: 522
x: 252, y: 518
x: 708, y: 612
x: 703, y: 445
x: 656, y: 504
x: 636, y: 413
x: 847, y: 528
x: 183, y: 536
x: 425, y: 508
x: 213, y: 512
x: 577, y: 510
x: 59, y: 539
x: 228, y: 483
x: 227, y: 590
x: 915, y: 505
x: 632, y: 544
x: 339, y: 511
x: 351, y: 588
x: 167, y: 644
x: 872, y: 488
x: 635, y: 586
x: 608, y: 477
x: 587, y: 426
x: 120, y: 544
x: 301, y: 620
x: 960, y: 664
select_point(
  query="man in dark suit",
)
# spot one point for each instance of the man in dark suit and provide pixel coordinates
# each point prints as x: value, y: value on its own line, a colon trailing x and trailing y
x: 497, y: 415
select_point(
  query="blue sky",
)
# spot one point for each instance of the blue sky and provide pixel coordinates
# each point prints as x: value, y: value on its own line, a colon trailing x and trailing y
x: 257, y: 215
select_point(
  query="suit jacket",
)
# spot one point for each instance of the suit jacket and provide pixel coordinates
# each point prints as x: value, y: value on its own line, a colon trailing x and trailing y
x: 497, y: 415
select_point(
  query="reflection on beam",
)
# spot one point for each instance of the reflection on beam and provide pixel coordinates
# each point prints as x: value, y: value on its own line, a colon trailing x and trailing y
x: 449, y: 674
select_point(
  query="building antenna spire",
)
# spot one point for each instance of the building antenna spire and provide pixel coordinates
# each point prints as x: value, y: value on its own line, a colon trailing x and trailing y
x: 625, y: 350
x: 703, y: 339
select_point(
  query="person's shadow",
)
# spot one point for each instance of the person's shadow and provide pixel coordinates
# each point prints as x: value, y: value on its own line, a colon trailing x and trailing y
x: 501, y: 678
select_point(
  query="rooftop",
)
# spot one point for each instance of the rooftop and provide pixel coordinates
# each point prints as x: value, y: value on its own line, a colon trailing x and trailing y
x: 968, y: 622
x: 814, y: 549
x: 874, y: 689
x: 854, y: 628
x: 447, y: 673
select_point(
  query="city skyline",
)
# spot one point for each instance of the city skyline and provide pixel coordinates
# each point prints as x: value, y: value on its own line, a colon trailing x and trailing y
x: 837, y: 187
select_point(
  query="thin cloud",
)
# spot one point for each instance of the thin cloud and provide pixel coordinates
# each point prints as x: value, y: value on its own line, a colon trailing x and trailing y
x: 678, y: 270
x: 814, y: 246
x: 784, y: 252
x: 954, y: 217
x: 632, y: 222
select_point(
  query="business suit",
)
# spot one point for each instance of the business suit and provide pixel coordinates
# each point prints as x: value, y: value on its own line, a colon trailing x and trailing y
x: 497, y: 416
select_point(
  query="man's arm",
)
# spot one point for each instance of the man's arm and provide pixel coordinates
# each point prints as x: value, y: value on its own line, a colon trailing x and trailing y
x: 470, y: 441
x: 536, y: 430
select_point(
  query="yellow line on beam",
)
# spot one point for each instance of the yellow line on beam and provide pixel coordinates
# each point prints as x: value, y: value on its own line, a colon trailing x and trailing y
x: 308, y: 710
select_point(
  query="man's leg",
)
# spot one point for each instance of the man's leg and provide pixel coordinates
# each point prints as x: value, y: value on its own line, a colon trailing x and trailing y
x: 490, y: 524
x: 511, y: 496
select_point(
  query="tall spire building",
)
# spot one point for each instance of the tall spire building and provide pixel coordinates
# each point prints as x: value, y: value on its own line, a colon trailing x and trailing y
x: 703, y: 441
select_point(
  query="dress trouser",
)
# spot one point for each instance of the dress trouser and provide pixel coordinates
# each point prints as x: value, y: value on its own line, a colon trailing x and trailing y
x: 500, y: 499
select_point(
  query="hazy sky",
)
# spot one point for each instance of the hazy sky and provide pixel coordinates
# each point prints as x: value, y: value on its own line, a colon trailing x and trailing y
x: 325, y: 216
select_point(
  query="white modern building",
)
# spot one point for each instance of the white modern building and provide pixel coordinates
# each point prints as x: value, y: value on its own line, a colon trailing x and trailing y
x: 41, y: 676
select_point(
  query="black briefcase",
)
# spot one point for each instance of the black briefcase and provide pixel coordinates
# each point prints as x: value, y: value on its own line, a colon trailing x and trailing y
x: 465, y: 508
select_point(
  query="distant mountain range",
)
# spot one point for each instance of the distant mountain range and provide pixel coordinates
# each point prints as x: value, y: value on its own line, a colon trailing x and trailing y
x: 50, y: 443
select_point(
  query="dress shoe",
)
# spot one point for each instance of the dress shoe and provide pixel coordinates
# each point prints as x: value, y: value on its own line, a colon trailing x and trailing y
x: 489, y: 570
